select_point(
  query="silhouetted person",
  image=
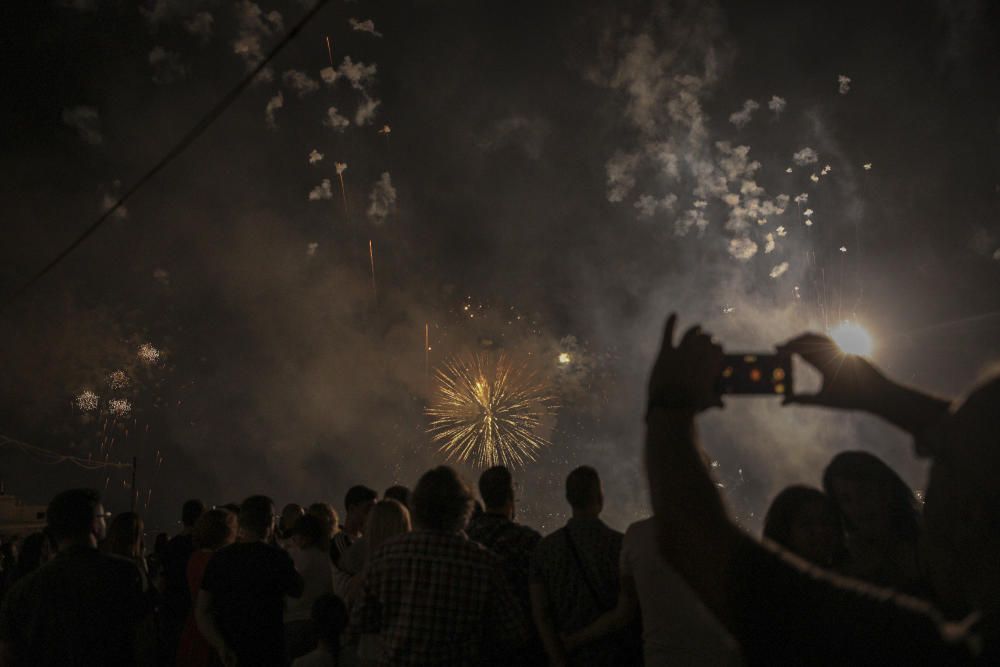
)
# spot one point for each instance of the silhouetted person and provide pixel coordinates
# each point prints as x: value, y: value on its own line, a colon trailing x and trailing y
x: 329, y: 521
x: 387, y: 519
x: 399, y: 493
x: 213, y: 530
x: 36, y: 550
x: 241, y: 602
x: 177, y: 601
x: 497, y: 530
x: 433, y: 597
x: 313, y: 563
x: 80, y: 608
x: 125, y: 539
x: 882, y: 518
x: 357, y: 502
x: 677, y: 628
x: 806, y: 521
x: 786, y: 612
x: 290, y: 515
x: 329, y: 615
x: 574, y: 576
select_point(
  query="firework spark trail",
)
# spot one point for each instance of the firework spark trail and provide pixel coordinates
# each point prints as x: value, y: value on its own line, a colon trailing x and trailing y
x: 341, y: 167
x: 329, y: 50
x: 487, y: 411
x: 427, y: 350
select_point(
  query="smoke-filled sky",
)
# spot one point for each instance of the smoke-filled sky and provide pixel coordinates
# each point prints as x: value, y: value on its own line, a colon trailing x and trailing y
x: 534, y: 177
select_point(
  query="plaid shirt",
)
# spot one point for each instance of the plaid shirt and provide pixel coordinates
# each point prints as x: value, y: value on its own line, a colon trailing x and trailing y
x: 577, y: 595
x: 435, y: 598
x: 513, y: 543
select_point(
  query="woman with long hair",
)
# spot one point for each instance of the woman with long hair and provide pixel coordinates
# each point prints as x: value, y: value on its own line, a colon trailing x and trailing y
x: 882, y: 519
x: 807, y: 522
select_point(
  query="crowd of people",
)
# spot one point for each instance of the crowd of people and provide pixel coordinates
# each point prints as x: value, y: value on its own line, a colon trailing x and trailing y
x: 856, y: 572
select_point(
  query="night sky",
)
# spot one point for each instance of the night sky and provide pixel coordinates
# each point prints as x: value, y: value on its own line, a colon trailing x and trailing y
x: 556, y: 178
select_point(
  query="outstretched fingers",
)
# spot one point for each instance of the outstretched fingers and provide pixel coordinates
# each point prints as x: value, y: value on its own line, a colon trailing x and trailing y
x: 668, y: 333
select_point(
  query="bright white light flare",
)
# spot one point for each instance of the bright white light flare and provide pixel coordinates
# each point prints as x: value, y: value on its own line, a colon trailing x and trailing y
x: 852, y: 338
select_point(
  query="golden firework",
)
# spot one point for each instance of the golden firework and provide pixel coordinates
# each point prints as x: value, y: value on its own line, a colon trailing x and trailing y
x: 488, y: 410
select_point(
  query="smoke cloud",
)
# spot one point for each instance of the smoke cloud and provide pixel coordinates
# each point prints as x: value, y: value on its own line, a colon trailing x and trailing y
x: 382, y: 199
x: 273, y: 105
x: 86, y: 121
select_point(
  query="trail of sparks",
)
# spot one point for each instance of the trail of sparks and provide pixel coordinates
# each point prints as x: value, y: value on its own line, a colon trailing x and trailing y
x: 329, y: 51
x: 488, y: 410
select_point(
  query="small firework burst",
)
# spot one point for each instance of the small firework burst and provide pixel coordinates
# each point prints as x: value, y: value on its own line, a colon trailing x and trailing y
x: 488, y: 410
x: 118, y: 379
x: 119, y: 407
x: 148, y: 354
x: 87, y: 401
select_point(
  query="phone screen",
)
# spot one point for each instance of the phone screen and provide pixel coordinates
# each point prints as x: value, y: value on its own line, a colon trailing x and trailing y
x: 752, y: 373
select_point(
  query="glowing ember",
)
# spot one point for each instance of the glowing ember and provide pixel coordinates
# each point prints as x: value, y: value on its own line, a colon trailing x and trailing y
x: 488, y: 411
x: 87, y: 401
x: 852, y: 338
x: 564, y: 358
x: 148, y: 354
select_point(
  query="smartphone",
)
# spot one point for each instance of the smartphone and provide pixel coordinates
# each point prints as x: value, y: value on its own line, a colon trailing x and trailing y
x: 756, y: 374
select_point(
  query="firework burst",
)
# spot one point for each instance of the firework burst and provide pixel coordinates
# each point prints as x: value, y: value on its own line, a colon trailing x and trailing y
x: 87, y: 401
x: 119, y: 407
x: 118, y: 380
x: 148, y: 354
x: 487, y: 410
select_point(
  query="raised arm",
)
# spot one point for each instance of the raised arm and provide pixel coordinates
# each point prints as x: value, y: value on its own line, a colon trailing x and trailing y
x: 696, y: 535
x: 853, y: 383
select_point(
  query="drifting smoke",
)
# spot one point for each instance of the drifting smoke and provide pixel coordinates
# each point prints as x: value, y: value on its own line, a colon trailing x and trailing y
x: 322, y: 191
x: 777, y: 104
x: 300, y: 82
x: 253, y: 28
x: 86, y: 122
x: 335, y: 120
x: 382, y: 199
x: 768, y: 243
x: 621, y: 175
x: 273, y: 105
x: 843, y: 84
x: 359, y: 75
x: 805, y: 156
x: 779, y: 270
x: 201, y: 26
x: 649, y: 205
x: 108, y: 201
x: 365, y: 113
x: 315, y: 156
x: 167, y: 67
x: 743, y: 116
x: 742, y: 248
x: 329, y: 75
x: 364, y: 26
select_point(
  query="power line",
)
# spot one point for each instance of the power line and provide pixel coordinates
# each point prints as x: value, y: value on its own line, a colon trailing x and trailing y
x: 182, y: 145
x: 49, y: 457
